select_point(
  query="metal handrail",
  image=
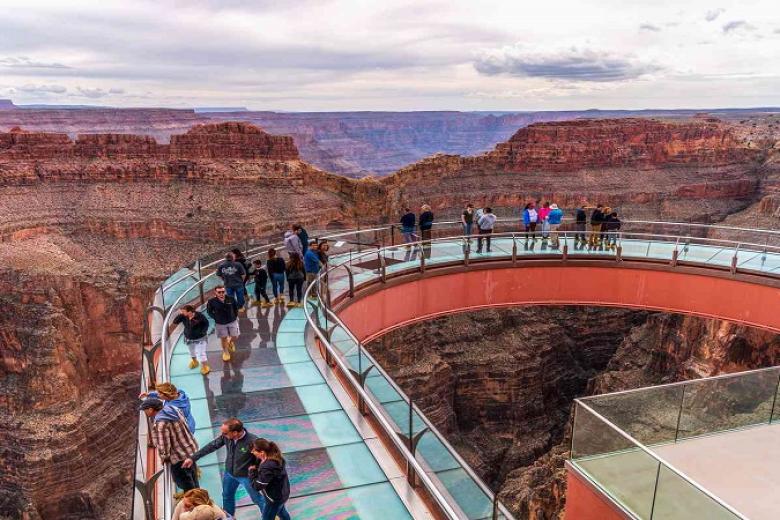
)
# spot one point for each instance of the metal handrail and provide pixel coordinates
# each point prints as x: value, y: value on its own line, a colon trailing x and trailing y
x: 254, y: 251
x: 377, y: 413
x: 466, y: 467
x: 662, y: 461
x: 502, y: 220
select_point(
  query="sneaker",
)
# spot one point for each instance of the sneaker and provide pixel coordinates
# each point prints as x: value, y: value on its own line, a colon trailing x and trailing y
x: 205, y: 369
x: 193, y: 363
x: 266, y: 304
x: 290, y: 304
x: 225, y: 356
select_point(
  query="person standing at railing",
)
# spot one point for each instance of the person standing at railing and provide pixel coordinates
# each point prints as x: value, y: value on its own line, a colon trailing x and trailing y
x: 174, y: 397
x: 322, y: 252
x: 485, y: 224
x: 530, y: 219
x: 303, y: 236
x: 554, y: 218
x: 276, y: 270
x: 241, y: 259
x: 224, y: 311
x: 296, y: 274
x: 270, y: 478
x: 237, y: 442
x: 311, y: 262
x: 196, y: 329
x: 467, y: 219
x: 580, y: 222
x: 596, y: 219
x: 408, y: 223
x: 426, y: 224
x: 611, y: 227
x: 173, y: 440
x: 292, y: 242
x: 261, y: 281
x: 543, y: 215
x: 233, y: 276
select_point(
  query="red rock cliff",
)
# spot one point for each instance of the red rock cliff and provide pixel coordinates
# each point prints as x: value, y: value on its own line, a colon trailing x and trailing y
x: 208, y: 141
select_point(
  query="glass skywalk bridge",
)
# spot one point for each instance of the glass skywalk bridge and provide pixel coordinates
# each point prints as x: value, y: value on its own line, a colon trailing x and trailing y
x: 356, y: 445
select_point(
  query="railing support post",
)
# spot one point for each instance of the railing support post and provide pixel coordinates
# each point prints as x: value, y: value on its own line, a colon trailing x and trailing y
x: 200, y: 285
x: 466, y: 251
x: 565, y: 251
x: 351, y: 282
x: 412, y: 440
x: 494, y: 516
x: 392, y: 234
x: 675, y: 255
x: 422, y: 260
x: 146, y: 490
x: 382, y: 267
x: 514, y: 250
x: 734, y: 260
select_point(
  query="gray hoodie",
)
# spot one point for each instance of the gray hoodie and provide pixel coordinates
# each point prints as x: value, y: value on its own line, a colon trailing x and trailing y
x: 292, y: 243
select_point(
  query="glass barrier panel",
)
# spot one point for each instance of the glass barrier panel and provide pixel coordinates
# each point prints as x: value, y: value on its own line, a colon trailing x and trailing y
x: 650, y: 416
x: 678, y: 499
x: 625, y: 472
x: 776, y: 404
x: 716, y: 405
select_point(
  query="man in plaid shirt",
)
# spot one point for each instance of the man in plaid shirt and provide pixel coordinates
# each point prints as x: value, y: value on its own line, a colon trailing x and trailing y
x: 173, y: 439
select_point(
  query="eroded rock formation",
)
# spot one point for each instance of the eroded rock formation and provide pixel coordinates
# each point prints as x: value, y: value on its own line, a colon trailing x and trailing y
x: 90, y: 224
x: 500, y: 384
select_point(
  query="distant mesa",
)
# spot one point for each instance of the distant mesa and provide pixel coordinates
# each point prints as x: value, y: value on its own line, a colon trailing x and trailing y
x: 206, y: 110
x: 7, y: 104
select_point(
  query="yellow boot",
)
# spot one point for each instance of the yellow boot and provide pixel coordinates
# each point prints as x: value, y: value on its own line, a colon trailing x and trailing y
x: 205, y: 368
x: 193, y: 363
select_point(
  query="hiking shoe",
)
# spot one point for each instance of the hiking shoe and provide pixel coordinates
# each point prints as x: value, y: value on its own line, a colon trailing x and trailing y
x: 290, y: 304
x: 266, y: 304
x: 225, y: 356
x: 232, y: 346
x: 205, y: 369
x: 193, y: 363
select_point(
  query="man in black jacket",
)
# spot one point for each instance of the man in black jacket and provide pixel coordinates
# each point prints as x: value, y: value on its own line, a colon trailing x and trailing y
x: 196, y: 328
x: 238, y: 460
x: 596, y: 219
x: 223, y: 309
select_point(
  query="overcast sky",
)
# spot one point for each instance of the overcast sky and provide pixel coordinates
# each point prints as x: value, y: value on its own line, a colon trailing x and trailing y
x: 308, y: 55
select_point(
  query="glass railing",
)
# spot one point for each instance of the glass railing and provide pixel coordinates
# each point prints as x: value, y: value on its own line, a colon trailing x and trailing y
x: 616, y: 438
x: 366, y: 255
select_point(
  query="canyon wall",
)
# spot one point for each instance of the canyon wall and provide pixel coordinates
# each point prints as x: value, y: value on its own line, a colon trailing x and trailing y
x: 90, y: 224
x: 500, y: 384
x: 697, y: 170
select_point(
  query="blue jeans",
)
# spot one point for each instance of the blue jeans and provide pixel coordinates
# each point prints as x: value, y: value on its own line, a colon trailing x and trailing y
x: 237, y: 293
x: 467, y: 229
x: 277, y: 284
x: 272, y: 510
x: 229, y: 488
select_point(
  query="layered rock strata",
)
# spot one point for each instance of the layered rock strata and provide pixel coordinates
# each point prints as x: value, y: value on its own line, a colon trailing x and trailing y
x: 500, y: 384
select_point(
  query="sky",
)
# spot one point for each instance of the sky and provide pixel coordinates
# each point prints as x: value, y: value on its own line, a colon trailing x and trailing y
x: 307, y: 55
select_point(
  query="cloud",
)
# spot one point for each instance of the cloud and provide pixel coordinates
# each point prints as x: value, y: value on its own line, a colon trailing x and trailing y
x: 737, y: 25
x: 570, y: 64
x: 713, y: 14
x: 95, y: 93
x: 42, y: 89
x: 649, y: 27
x: 23, y: 62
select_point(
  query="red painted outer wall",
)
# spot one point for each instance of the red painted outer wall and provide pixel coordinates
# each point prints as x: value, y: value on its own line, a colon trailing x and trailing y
x: 371, y: 315
x: 584, y: 503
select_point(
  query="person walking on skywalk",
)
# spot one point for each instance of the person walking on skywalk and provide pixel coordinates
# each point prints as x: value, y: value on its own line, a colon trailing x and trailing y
x: 239, y: 458
x: 224, y: 311
x: 196, y: 328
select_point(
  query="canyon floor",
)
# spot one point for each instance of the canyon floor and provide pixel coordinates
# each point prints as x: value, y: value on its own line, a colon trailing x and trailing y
x: 90, y: 225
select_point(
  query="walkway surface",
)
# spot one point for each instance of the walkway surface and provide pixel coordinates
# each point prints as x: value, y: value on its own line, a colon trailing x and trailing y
x: 740, y: 467
x: 280, y: 392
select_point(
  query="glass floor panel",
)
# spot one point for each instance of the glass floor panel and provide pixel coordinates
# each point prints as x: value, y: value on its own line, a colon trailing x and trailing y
x: 252, y: 379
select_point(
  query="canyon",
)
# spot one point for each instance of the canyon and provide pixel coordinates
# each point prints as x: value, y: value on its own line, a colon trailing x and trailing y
x: 91, y: 223
x: 500, y: 384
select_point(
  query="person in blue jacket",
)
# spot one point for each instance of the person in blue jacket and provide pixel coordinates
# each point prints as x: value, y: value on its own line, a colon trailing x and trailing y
x: 554, y: 218
x: 311, y: 263
x: 172, y: 396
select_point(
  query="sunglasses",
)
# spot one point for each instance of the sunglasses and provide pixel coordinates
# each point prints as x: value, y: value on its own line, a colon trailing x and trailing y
x: 220, y: 292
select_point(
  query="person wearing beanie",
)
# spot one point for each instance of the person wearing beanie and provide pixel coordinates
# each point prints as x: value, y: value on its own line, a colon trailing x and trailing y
x: 175, y: 397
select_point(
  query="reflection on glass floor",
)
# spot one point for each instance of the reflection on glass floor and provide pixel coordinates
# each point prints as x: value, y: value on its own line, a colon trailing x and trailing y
x: 275, y: 388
